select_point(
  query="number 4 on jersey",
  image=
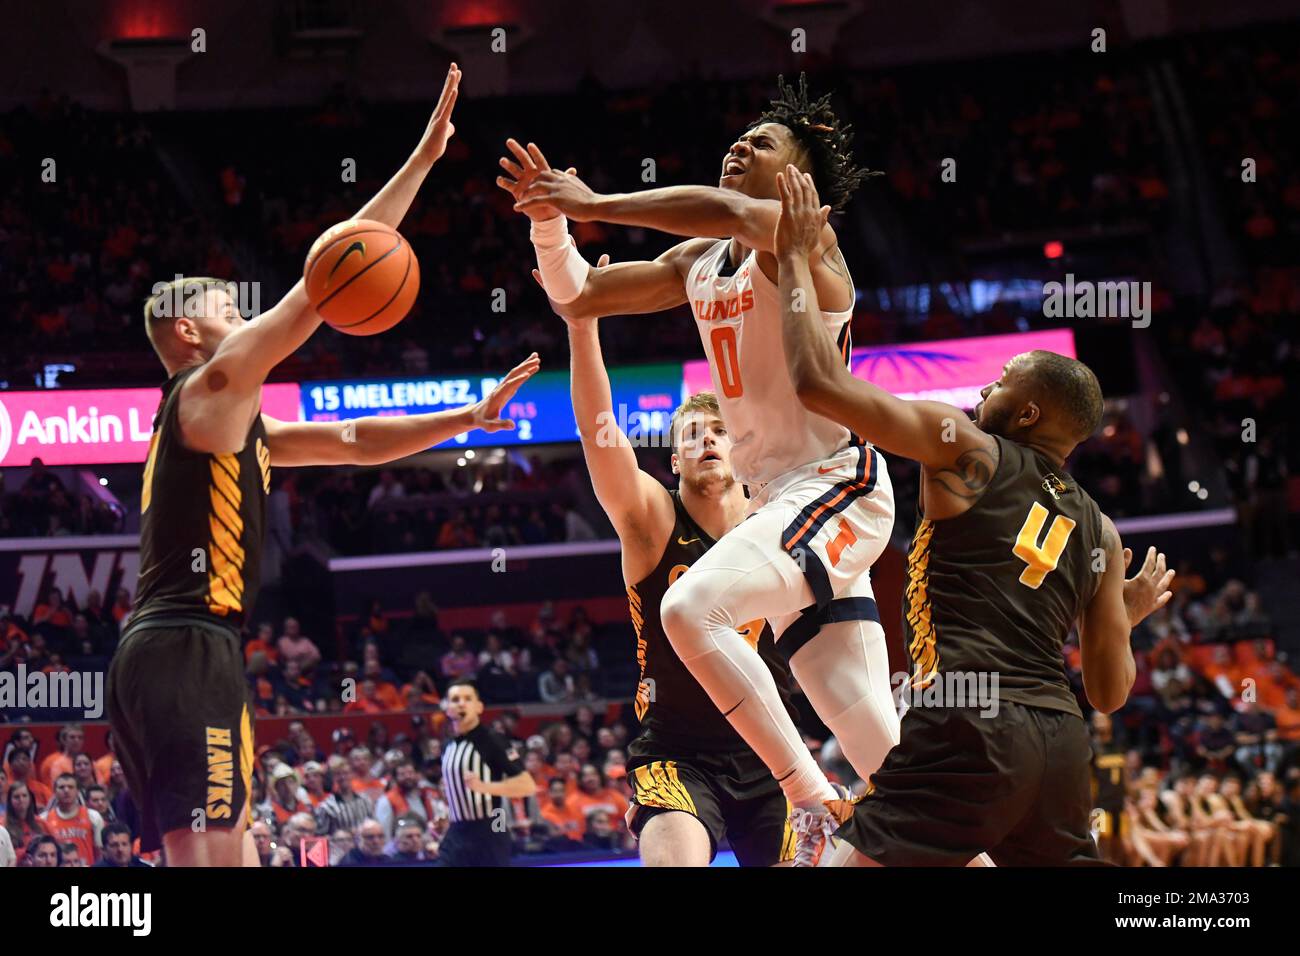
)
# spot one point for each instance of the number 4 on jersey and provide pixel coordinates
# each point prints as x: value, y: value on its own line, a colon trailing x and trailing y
x: 1040, y: 559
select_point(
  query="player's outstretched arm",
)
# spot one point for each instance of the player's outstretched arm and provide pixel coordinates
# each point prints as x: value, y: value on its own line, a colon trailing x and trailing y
x: 218, y: 401
x: 576, y: 288
x: 1116, y: 608
x: 706, y: 211
x: 937, y: 435
x: 382, y: 438
x: 634, y: 501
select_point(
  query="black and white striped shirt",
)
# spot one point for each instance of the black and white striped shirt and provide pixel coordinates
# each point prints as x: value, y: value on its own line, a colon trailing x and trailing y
x: 346, y: 813
x: 486, y: 755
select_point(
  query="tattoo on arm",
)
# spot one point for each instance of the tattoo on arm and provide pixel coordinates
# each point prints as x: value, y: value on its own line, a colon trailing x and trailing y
x: 834, y: 260
x: 970, y: 475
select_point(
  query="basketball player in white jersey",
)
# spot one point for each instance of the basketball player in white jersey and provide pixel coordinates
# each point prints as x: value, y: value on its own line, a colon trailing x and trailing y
x: 821, y: 507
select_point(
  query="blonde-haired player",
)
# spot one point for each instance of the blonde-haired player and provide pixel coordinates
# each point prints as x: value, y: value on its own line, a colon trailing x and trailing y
x: 695, y: 781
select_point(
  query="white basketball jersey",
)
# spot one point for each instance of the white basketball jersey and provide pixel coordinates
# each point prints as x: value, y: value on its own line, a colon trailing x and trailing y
x: 739, y: 318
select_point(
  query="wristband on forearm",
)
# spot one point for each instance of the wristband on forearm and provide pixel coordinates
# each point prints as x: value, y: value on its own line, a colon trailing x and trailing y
x: 564, y: 271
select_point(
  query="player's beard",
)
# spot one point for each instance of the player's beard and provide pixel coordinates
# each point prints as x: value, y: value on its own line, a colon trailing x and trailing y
x: 705, y: 485
x: 996, y: 423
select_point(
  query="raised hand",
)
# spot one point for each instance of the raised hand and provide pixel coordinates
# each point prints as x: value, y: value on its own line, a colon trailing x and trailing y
x: 487, y: 411
x: 1148, y: 590
x: 541, y: 192
x: 799, y: 226
x: 522, y: 174
x: 434, y: 141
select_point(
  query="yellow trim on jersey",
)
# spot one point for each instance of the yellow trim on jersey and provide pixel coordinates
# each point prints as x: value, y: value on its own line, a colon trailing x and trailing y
x: 225, y: 554
x: 922, y: 649
x: 641, y: 704
x: 246, y: 759
x: 658, y: 785
x: 264, y: 462
x: 788, y: 841
x: 146, y: 491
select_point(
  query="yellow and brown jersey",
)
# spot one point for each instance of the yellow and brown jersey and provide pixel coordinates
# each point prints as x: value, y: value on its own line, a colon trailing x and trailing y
x: 997, y: 589
x: 202, y: 518
x: 670, y: 703
x: 1108, y: 763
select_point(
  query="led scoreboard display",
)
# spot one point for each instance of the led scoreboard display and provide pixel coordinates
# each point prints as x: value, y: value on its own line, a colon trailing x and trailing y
x: 644, y: 399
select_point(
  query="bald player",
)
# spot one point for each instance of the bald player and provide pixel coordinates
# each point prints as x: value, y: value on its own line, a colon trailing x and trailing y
x: 1009, y: 553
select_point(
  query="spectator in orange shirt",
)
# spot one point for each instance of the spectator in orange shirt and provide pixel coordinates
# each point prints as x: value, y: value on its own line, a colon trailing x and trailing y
x: 264, y: 642
x: 72, y: 740
x: 563, y: 818
x: 366, y: 702
x: 11, y: 635
x: 258, y: 671
x: 285, y: 796
x: 313, y: 781
x: 421, y: 693
x: 121, y: 609
x: 104, y: 764
x: 70, y: 822
x: 52, y: 611
x: 385, y: 691
x: 594, y: 793
x: 540, y: 771
x: 20, y: 771
x: 22, y: 820
x: 361, y: 762
x: 566, y: 768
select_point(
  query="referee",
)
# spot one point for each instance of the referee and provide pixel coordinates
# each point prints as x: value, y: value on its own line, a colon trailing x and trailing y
x: 480, y: 771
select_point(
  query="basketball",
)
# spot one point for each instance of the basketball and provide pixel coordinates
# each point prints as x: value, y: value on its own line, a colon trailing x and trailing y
x: 362, y: 277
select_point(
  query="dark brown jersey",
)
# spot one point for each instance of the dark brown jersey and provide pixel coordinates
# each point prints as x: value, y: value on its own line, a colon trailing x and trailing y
x: 671, y: 705
x: 202, y: 519
x: 997, y: 589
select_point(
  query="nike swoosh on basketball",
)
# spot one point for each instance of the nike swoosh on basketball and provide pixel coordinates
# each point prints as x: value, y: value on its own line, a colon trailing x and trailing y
x: 357, y: 246
x: 681, y: 540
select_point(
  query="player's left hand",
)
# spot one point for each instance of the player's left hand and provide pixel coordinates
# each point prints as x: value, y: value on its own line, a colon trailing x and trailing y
x: 1148, y: 590
x: 563, y: 192
x: 799, y: 226
x: 486, y: 412
x: 434, y: 141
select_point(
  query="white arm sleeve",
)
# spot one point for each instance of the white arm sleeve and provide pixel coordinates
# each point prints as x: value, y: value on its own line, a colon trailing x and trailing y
x: 564, y: 271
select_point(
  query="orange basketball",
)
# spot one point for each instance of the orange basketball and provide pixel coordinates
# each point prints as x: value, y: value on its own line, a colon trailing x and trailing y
x: 361, y: 276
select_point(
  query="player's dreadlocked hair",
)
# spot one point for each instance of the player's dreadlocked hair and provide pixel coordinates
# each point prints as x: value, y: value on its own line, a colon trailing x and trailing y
x: 828, y: 141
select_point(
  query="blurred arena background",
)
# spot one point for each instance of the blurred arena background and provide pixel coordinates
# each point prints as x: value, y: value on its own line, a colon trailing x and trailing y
x: 1169, y: 158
